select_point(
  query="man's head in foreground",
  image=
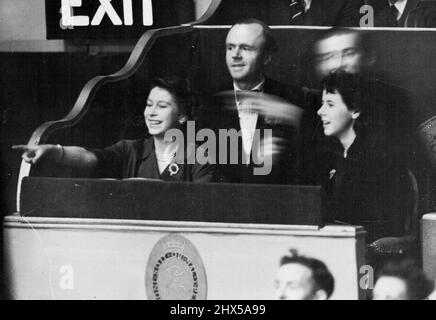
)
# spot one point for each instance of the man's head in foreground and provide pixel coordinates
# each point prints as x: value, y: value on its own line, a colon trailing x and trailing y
x: 303, y: 278
x: 402, y: 280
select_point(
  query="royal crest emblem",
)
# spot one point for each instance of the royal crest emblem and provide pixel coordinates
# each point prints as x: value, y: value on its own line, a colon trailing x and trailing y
x: 175, y: 271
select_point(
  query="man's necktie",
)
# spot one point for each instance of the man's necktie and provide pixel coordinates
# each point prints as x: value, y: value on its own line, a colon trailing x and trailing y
x: 241, y: 103
x: 297, y: 12
x: 393, y: 15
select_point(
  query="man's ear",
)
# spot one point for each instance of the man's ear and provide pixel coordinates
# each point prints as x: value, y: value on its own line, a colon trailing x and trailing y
x: 320, y: 294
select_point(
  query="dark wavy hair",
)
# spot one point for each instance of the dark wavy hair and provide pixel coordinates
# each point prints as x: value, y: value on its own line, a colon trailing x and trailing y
x: 322, y: 277
x: 419, y: 287
x: 181, y: 89
x: 354, y: 91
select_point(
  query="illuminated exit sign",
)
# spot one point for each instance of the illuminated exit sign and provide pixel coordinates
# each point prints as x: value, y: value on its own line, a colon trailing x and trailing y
x: 93, y: 19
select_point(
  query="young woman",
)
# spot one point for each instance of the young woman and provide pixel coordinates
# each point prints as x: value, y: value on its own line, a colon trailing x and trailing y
x: 169, y: 104
x: 365, y: 183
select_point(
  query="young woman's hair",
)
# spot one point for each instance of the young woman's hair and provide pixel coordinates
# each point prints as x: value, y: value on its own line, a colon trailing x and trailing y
x: 350, y: 86
x: 182, y: 91
x: 353, y: 90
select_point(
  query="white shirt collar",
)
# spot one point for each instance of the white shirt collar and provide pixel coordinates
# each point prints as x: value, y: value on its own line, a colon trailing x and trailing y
x: 400, y: 5
x: 258, y: 87
x: 307, y: 4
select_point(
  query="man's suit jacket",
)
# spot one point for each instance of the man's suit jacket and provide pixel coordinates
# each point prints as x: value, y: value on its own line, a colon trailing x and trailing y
x: 341, y: 13
x: 216, y: 115
x: 382, y: 18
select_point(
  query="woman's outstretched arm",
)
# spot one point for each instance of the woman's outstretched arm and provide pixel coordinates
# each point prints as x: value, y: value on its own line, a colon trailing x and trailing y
x: 74, y: 157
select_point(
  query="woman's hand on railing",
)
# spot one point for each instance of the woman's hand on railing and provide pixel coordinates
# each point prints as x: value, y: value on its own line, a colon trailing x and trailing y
x: 33, y: 154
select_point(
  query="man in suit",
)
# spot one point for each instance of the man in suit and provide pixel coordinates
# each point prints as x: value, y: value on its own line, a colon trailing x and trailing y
x: 255, y: 106
x: 395, y: 13
x: 343, y: 13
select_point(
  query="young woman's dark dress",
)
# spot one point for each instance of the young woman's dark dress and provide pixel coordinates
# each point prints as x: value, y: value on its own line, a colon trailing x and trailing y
x: 370, y: 187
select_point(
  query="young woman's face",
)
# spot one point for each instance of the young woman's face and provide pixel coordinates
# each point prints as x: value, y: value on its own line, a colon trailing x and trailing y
x: 162, y: 112
x: 336, y: 118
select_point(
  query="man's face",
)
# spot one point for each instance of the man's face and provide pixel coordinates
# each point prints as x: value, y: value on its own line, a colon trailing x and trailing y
x: 390, y: 288
x: 245, y: 52
x: 338, y: 52
x: 294, y: 282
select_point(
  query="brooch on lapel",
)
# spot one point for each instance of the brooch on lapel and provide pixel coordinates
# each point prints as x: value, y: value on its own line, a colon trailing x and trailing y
x: 173, y: 169
x: 332, y: 174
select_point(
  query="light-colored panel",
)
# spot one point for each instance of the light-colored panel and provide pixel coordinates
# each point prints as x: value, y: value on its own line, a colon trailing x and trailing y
x: 201, y: 7
x: 108, y: 259
x: 428, y: 225
x: 22, y: 20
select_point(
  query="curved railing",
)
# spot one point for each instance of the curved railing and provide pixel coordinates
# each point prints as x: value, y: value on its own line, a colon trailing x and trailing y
x: 88, y: 92
x: 210, y: 11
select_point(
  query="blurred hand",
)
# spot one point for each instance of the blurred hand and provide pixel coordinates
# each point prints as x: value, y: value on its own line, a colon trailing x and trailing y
x: 271, y: 107
x: 32, y: 154
x: 269, y: 149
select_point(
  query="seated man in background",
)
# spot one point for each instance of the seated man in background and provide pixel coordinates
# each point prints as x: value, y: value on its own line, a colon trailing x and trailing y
x: 396, y: 13
x: 402, y: 280
x: 303, y: 278
x: 340, y: 13
x: 253, y: 105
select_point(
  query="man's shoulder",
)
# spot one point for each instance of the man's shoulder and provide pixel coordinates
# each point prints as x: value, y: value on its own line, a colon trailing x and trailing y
x: 291, y: 93
x: 386, y: 91
x: 273, y: 86
x: 225, y: 86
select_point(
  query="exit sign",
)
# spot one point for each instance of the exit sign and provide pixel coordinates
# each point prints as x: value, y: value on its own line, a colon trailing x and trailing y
x: 94, y: 19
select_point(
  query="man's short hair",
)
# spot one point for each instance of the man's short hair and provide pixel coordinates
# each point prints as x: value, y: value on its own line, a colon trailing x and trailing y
x: 321, y: 275
x: 362, y: 37
x: 270, y: 45
x: 418, y: 286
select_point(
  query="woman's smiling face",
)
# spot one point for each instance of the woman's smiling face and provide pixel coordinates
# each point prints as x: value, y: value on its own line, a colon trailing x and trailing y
x: 162, y: 112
